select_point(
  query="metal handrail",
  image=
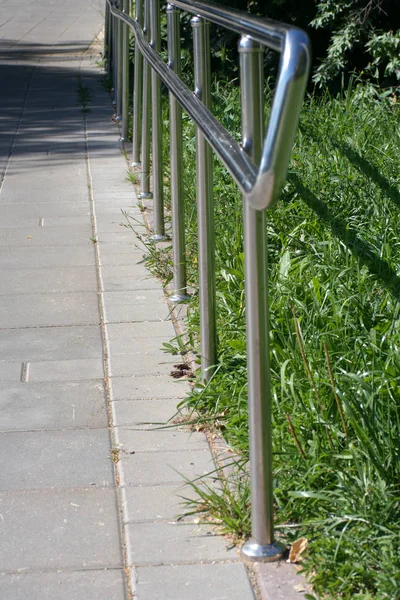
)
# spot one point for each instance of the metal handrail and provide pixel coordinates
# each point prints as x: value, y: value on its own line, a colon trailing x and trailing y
x: 260, y: 185
x: 258, y: 165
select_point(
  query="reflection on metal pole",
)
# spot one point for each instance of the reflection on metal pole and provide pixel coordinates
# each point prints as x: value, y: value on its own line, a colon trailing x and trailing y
x: 262, y: 546
x: 125, y: 75
x: 205, y: 204
x: 119, y: 50
x: 137, y: 92
x: 158, y: 187
x: 177, y: 199
x: 146, y: 116
x: 106, y: 41
x: 114, y: 60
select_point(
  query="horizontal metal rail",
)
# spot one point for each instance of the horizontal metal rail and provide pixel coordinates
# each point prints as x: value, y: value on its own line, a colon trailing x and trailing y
x: 258, y: 165
x: 261, y: 185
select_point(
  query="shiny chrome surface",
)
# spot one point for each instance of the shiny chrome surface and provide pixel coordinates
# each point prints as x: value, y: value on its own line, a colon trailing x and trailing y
x: 146, y: 108
x: 177, y: 198
x: 137, y: 91
x: 205, y: 204
x: 125, y: 75
x: 261, y: 184
x: 156, y: 129
x: 257, y: 330
x: 258, y: 165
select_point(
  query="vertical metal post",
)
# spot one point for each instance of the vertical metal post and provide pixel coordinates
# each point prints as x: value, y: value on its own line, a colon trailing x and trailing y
x: 146, y: 115
x: 106, y: 46
x: 156, y: 129
x: 109, y: 41
x: 262, y: 546
x: 125, y: 75
x: 114, y: 60
x: 137, y: 92
x: 205, y: 204
x: 175, y: 120
x: 119, y: 47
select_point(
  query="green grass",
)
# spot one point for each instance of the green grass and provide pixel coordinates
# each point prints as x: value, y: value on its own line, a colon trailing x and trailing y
x: 334, y: 288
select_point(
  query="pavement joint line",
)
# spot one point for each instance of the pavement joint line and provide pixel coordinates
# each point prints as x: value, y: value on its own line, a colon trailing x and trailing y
x: 106, y: 365
x: 173, y: 484
x: 141, y: 399
x: 52, y: 430
x: 67, y: 293
x: 32, y: 570
x: 7, y: 328
x: 95, y: 487
x: 159, y: 451
x: 151, y: 485
x: 188, y: 562
x: 48, y: 327
x: 138, y: 321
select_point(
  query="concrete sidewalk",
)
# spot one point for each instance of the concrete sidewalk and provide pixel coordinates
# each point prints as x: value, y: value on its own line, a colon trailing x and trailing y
x: 89, y: 488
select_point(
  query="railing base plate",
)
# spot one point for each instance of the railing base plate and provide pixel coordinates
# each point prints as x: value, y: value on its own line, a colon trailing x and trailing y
x: 176, y: 298
x: 158, y: 237
x: 255, y: 552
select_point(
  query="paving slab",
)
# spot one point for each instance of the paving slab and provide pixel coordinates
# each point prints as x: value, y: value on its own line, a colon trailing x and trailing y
x: 10, y: 371
x: 279, y: 580
x: 226, y: 581
x: 52, y: 405
x: 48, y: 280
x: 114, y: 255
x: 155, y: 503
x: 64, y: 585
x: 66, y: 370
x: 121, y: 335
x: 63, y: 459
x: 44, y: 310
x: 59, y: 529
x: 34, y: 257
x: 51, y: 343
x: 127, y: 278
x: 154, y: 468
x: 60, y: 195
x: 150, y: 386
x: 131, y: 440
x: 122, y: 237
x: 145, y: 413
x: 47, y: 236
x: 171, y: 543
x: 141, y: 363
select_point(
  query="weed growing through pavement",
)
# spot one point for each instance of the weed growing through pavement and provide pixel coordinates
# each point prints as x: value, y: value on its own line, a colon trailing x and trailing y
x: 132, y: 177
x: 84, y: 96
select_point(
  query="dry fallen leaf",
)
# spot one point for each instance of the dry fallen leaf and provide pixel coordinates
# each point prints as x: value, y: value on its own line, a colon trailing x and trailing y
x: 297, y: 550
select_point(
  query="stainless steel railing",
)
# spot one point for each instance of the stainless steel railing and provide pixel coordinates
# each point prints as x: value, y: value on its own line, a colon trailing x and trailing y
x: 258, y: 165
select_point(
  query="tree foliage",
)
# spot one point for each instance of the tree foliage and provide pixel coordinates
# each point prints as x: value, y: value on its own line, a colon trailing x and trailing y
x: 348, y: 36
x: 363, y: 37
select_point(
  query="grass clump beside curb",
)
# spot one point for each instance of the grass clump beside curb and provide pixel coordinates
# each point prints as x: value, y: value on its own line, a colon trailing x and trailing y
x: 334, y: 289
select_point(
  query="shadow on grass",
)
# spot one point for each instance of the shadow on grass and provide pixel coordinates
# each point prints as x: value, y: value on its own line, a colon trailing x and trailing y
x: 369, y: 170
x: 358, y: 161
x: 359, y: 248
